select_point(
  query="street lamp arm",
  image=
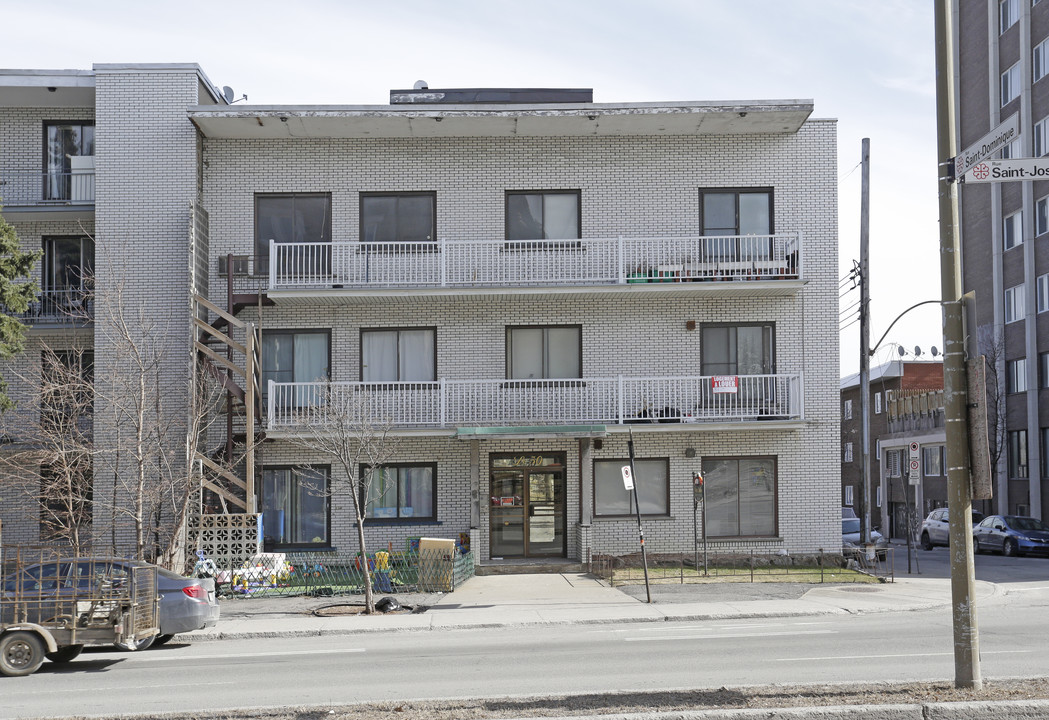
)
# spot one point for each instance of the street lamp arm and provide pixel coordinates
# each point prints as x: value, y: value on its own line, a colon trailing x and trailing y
x: 877, y: 344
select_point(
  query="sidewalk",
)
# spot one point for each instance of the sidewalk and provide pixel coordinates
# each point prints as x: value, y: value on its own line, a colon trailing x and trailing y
x: 570, y: 598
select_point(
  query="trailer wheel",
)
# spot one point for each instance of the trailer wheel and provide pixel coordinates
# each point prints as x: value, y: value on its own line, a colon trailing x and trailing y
x: 21, y: 653
x: 161, y: 639
x: 64, y: 654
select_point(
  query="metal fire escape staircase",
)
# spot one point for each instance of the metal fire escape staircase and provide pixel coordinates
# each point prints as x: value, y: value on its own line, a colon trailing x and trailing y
x: 229, y: 350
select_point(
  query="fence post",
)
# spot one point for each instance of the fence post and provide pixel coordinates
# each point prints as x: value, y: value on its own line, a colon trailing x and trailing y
x: 821, y: 565
x: 752, y: 564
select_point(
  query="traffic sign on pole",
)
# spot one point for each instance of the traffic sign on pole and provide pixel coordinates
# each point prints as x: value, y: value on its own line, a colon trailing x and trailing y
x: 1016, y: 170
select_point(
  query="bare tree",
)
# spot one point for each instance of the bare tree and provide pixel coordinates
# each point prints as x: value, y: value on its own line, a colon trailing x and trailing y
x: 360, y: 444
x: 992, y: 347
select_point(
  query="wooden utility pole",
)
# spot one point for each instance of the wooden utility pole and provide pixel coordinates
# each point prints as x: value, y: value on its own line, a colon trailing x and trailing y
x: 959, y: 487
x: 865, y: 341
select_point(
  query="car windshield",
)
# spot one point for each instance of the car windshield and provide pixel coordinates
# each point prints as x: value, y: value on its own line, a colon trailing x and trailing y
x: 1025, y: 523
x: 850, y: 525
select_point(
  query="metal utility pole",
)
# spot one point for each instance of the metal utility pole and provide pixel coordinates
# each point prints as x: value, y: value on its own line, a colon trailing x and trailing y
x: 959, y: 490
x: 865, y: 341
x: 637, y: 508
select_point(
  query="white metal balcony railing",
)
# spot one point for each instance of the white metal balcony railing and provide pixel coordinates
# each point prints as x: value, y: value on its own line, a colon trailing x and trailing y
x: 30, y: 188
x: 502, y: 263
x: 608, y: 401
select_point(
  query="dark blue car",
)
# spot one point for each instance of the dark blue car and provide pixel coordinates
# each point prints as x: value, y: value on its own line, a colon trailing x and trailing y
x: 1011, y: 535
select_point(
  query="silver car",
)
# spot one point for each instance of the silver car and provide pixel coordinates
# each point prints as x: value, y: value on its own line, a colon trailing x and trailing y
x: 936, y: 528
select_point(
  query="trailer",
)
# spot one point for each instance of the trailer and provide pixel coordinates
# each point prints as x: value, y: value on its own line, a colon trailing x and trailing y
x: 53, y: 605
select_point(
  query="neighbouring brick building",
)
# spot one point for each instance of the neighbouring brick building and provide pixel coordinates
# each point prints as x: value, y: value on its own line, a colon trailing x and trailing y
x: 514, y: 280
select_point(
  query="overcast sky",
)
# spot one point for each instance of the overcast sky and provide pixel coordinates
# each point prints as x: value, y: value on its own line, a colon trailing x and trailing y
x: 868, y: 64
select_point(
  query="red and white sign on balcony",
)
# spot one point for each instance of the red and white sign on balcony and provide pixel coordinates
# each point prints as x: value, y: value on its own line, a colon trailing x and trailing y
x: 724, y: 384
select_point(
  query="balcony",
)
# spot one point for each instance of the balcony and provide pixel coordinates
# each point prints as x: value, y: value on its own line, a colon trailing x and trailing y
x: 693, y: 400
x: 25, y: 194
x: 770, y: 265
x: 60, y: 308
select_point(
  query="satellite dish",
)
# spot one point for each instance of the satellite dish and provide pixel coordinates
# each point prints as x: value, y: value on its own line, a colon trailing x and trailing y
x: 227, y: 92
x: 917, y: 351
x: 422, y: 85
x: 933, y: 351
x: 900, y: 351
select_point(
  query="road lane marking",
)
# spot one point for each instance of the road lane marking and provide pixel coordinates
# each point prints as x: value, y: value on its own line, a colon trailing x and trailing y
x: 719, y: 636
x: 230, y: 656
x: 898, y: 655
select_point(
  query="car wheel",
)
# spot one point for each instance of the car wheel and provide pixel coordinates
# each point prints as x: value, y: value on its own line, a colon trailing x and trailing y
x: 64, y: 654
x: 133, y: 645
x: 162, y: 640
x: 1010, y: 548
x: 926, y: 542
x: 21, y: 653
x: 976, y: 545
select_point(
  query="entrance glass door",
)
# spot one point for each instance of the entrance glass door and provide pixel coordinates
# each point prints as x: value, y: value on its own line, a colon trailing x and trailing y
x: 527, y: 506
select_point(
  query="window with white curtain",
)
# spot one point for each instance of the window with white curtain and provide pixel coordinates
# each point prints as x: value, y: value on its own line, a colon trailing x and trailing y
x: 544, y: 352
x: 1040, y: 138
x: 543, y: 215
x: 401, y: 491
x: 1042, y: 286
x: 1010, y: 84
x: 877, y: 403
x: 1016, y: 375
x: 849, y: 495
x: 296, y: 356
x: 1012, y: 150
x: 1008, y: 14
x: 399, y: 355
x: 1040, y: 60
x: 1014, y: 304
x: 848, y: 452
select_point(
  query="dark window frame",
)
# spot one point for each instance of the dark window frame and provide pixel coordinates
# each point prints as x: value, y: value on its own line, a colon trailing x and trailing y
x: 507, y: 349
x: 775, y: 492
x: 632, y: 511
x: 541, y: 243
x: 327, y: 495
x: 45, y: 164
x: 373, y: 245
x: 398, y: 329
x: 261, y: 259
x: 293, y: 331
x: 1018, y: 470
x: 771, y: 344
x: 407, y: 520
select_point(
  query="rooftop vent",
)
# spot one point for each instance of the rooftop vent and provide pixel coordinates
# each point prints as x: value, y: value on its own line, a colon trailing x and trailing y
x: 421, y: 94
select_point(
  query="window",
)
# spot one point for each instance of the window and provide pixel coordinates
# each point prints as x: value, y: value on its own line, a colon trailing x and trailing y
x: 292, y: 218
x: 1018, y: 454
x: 893, y: 462
x: 1008, y: 14
x: 1012, y: 230
x: 1043, y: 370
x: 1040, y: 136
x: 399, y: 491
x: 877, y: 495
x: 732, y: 213
x: 1014, y: 304
x: 736, y: 350
x: 399, y: 355
x: 877, y: 403
x: 1016, y: 375
x: 877, y: 449
x: 66, y: 495
x: 64, y: 142
x: 932, y: 456
x: 849, y: 492
x: 67, y: 274
x: 290, y: 356
x: 848, y: 452
x: 1012, y: 150
x: 295, y: 508
x: 846, y: 413
x: 544, y: 352
x: 67, y: 391
x: 546, y: 215
x: 1010, y: 84
x: 1041, y: 60
x: 740, y: 494
x: 1042, y: 287
x: 651, y: 479
x: 398, y: 217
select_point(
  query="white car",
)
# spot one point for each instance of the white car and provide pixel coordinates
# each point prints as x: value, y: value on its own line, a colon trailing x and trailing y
x: 850, y: 537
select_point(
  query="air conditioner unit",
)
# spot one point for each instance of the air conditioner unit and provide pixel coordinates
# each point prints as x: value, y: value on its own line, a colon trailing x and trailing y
x: 241, y: 265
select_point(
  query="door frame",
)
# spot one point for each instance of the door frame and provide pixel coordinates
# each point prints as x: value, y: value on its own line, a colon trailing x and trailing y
x: 526, y: 468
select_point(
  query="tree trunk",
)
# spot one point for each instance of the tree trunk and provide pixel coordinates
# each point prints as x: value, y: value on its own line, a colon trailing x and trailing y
x: 369, y: 599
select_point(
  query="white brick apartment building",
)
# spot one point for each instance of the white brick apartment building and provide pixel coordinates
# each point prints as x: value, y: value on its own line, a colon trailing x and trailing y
x: 514, y: 279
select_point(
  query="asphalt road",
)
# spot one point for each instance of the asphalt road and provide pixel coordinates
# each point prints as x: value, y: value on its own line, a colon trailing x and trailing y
x: 239, y: 674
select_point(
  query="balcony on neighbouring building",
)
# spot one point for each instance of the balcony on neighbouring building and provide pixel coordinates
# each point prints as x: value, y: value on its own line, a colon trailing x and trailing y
x: 615, y: 400
x: 759, y: 265
x: 36, y: 191
x: 62, y: 307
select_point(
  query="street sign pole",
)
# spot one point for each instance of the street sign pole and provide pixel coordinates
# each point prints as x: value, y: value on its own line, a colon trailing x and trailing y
x: 637, y: 508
